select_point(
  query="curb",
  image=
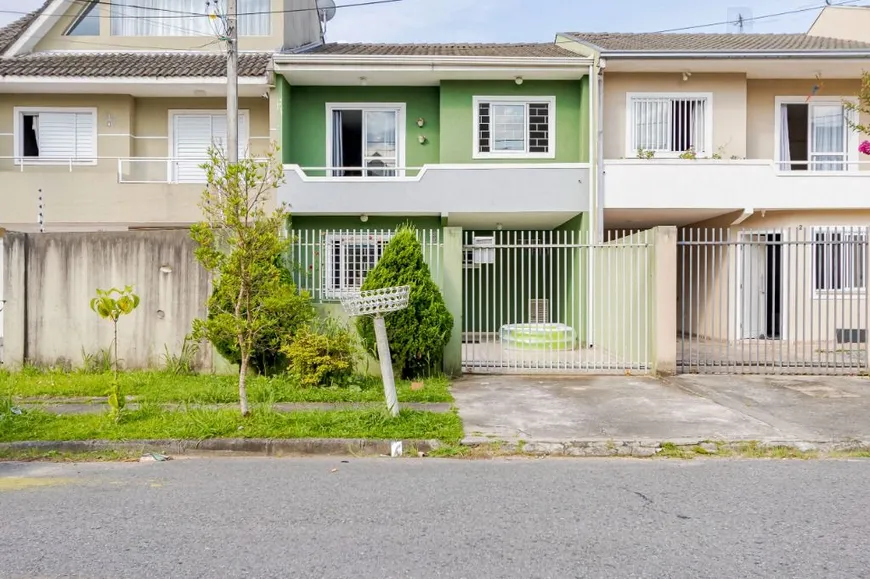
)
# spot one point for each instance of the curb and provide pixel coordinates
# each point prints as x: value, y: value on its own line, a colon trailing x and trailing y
x: 649, y: 448
x: 232, y: 446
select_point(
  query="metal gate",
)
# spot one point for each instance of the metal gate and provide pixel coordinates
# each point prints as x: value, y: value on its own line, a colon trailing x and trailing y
x: 549, y: 301
x: 779, y: 301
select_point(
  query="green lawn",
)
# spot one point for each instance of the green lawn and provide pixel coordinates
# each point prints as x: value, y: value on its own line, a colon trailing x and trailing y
x: 152, y: 422
x: 207, y: 389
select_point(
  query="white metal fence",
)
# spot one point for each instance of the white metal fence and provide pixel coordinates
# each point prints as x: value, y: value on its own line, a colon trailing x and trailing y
x: 551, y: 301
x: 330, y: 262
x: 789, y: 301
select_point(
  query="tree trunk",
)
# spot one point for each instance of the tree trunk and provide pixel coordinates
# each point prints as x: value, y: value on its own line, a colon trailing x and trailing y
x: 116, y: 348
x: 243, y: 389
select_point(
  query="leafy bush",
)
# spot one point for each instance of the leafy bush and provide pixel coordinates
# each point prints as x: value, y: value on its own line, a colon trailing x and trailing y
x: 418, y: 333
x: 322, y: 354
x: 287, y: 310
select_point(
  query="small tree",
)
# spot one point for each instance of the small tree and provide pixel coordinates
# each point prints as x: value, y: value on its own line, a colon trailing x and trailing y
x: 417, y: 334
x: 288, y: 308
x: 111, y: 304
x: 238, y: 241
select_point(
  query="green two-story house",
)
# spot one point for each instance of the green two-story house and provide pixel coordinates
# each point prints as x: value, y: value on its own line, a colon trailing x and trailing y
x: 490, y: 140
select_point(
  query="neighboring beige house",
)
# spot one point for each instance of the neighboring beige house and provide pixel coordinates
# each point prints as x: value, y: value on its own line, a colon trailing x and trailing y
x: 744, y: 132
x: 108, y: 108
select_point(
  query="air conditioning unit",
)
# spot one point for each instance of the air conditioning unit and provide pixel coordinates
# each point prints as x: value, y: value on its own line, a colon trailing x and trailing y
x: 539, y: 311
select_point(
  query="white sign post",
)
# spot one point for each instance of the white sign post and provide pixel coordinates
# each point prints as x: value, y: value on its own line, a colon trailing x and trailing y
x: 376, y: 303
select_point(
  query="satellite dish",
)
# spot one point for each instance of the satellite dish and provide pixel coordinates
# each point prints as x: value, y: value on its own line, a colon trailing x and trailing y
x: 326, y: 10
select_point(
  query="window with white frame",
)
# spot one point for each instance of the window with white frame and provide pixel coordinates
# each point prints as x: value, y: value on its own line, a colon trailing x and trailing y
x: 86, y: 22
x: 840, y: 259
x: 815, y: 135
x: 61, y: 135
x: 365, y: 140
x: 348, y: 259
x: 186, y: 18
x: 193, y: 133
x: 514, y: 127
x: 669, y: 125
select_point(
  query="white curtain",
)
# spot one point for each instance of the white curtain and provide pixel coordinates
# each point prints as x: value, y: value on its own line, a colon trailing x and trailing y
x: 337, y: 144
x: 828, y: 144
x: 784, y: 144
x: 180, y: 18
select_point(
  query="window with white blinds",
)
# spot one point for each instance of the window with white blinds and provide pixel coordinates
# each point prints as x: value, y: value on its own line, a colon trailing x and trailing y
x: 193, y: 133
x: 669, y: 125
x: 56, y: 136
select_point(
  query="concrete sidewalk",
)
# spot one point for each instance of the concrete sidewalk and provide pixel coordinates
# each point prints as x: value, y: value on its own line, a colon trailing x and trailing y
x: 683, y: 408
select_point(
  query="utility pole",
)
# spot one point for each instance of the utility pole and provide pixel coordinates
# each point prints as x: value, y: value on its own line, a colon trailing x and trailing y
x: 232, y: 83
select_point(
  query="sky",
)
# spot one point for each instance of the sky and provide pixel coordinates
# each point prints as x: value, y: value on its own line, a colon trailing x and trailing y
x: 530, y: 20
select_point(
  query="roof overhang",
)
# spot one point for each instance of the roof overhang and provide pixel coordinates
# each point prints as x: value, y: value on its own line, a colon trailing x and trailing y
x: 757, y: 68
x: 134, y: 86
x: 39, y: 27
x: 300, y: 69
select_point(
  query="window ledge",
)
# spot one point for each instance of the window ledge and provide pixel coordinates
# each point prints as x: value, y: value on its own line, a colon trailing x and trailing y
x: 510, y: 156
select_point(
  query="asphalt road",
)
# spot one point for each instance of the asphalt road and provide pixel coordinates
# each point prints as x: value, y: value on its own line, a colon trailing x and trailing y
x: 227, y: 518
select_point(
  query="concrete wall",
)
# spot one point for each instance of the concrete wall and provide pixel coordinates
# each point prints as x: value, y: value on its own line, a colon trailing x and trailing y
x: 51, y: 278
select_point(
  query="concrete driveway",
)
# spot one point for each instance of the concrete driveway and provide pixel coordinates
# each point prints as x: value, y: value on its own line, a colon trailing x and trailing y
x: 683, y: 408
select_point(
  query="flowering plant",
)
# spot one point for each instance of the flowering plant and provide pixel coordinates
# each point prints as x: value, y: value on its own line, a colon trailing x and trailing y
x: 864, y: 147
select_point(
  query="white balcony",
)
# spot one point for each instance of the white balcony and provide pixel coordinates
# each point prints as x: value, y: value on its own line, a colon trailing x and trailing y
x: 526, y: 195
x: 717, y: 186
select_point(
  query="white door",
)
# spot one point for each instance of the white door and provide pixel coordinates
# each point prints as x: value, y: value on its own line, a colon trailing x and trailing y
x: 753, y: 288
x: 192, y: 135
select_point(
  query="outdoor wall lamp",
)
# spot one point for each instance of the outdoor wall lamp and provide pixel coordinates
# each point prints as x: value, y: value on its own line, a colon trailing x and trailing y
x: 518, y: 80
x: 422, y: 139
x: 420, y: 122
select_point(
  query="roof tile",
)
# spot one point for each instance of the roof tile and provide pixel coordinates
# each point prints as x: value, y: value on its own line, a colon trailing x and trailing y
x: 480, y: 50
x: 131, y: 64
x: 11, y: 32
x: 666, y: 42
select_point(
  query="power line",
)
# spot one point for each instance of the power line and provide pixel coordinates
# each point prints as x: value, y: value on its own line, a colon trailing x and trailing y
x: 169, y: 13
x: 762, y: 17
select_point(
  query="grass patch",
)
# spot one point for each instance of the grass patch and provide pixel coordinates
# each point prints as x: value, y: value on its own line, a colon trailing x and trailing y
x: 34, y: 455
x: 152, y: 422
x: 160, y: 387
x: 671, y: 450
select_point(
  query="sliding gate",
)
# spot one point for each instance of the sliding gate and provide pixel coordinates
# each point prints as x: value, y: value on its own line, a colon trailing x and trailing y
x: 789, y: 301
x: 549, y: 301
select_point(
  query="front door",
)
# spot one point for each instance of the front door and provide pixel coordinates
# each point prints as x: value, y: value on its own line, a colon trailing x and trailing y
x: 753, y: 286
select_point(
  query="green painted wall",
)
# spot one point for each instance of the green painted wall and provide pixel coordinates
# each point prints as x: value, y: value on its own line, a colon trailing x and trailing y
x: 282, y: 88
x: 307, y: 119
x: 572, y: 117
